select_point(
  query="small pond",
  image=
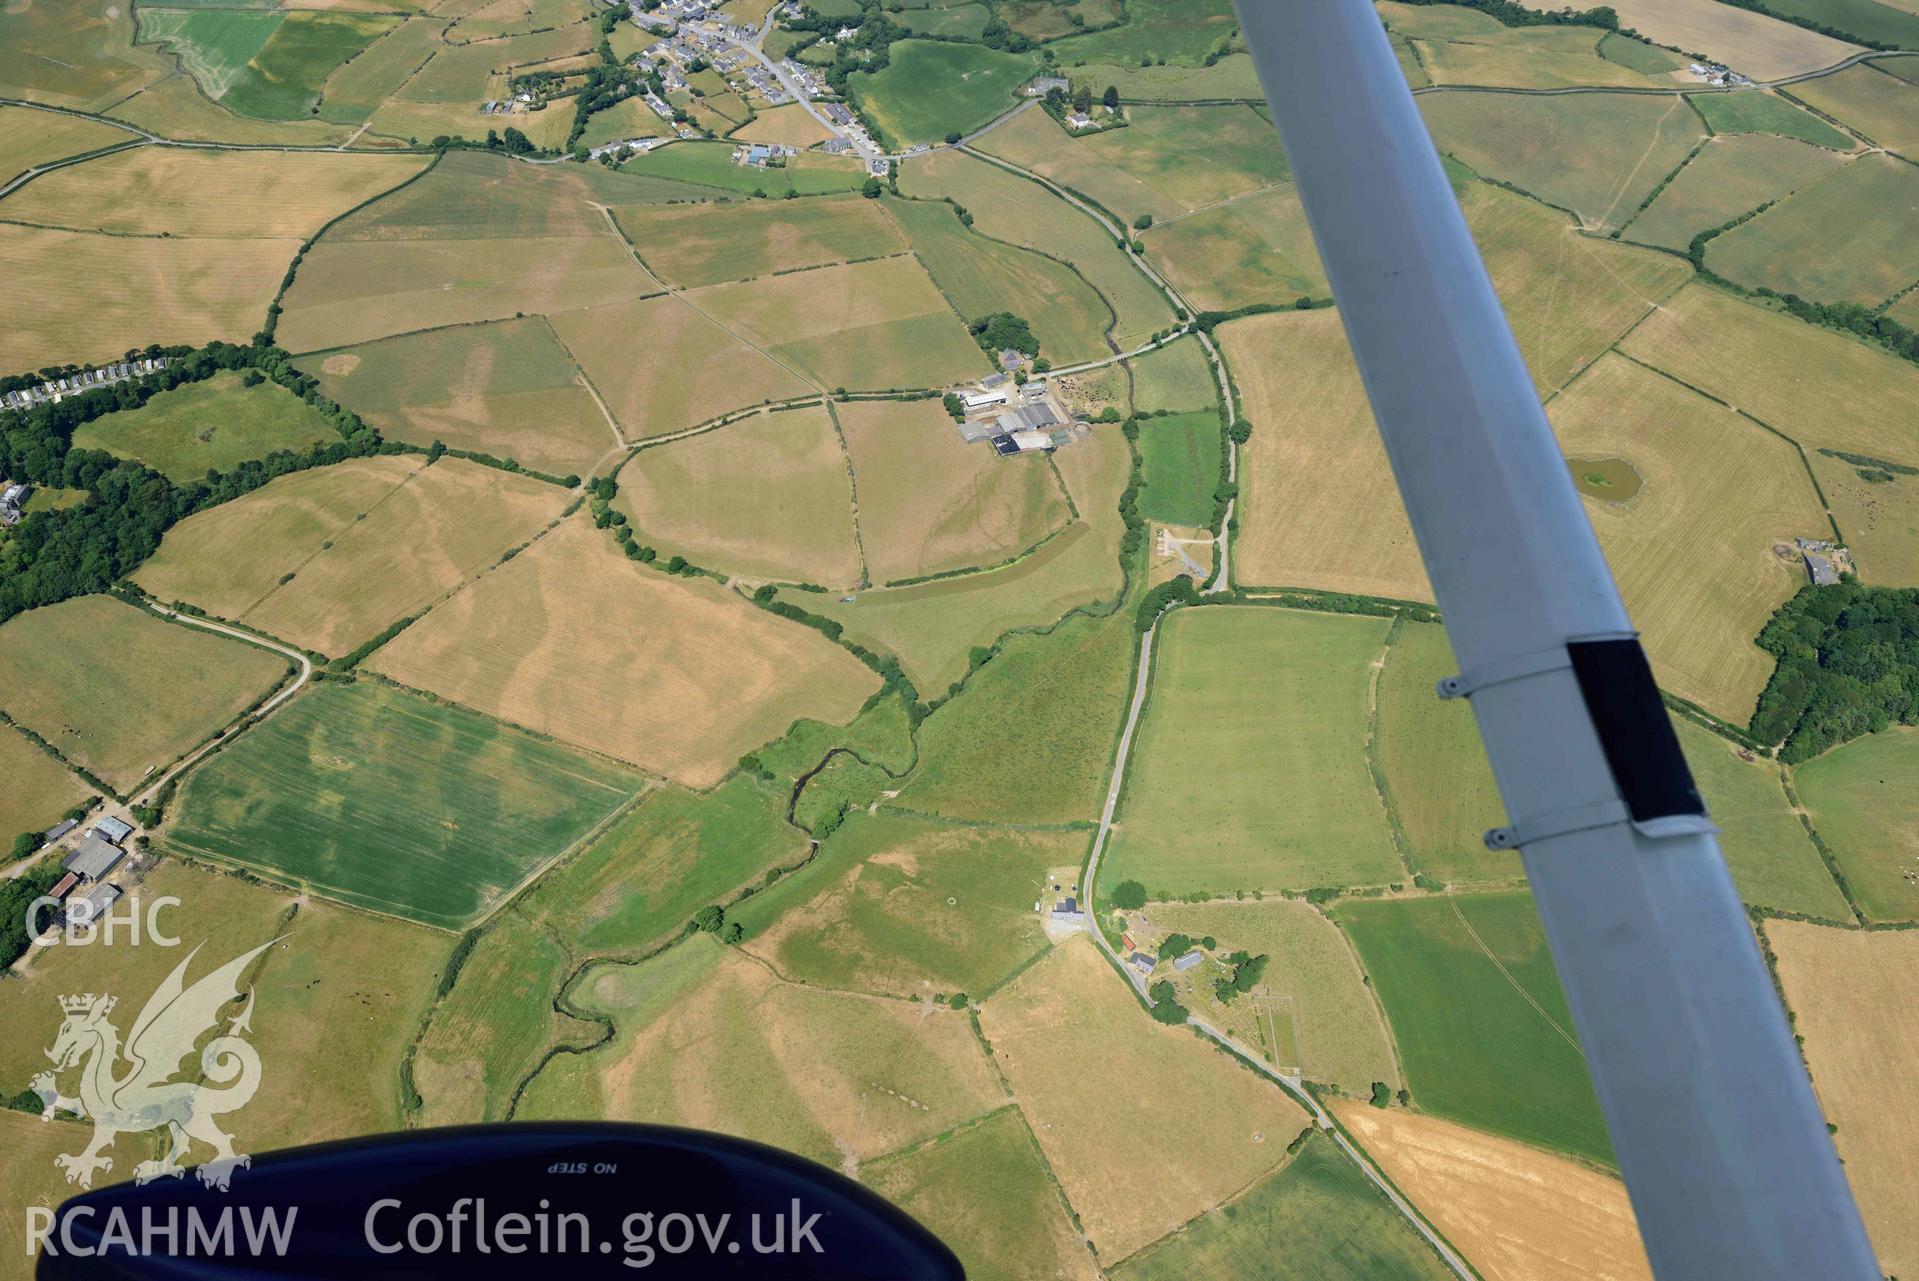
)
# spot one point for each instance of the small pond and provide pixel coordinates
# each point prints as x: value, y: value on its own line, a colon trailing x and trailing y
x: 1610, y: 480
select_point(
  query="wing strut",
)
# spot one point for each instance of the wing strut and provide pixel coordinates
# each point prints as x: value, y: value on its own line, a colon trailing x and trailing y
x: 1725, y: 1154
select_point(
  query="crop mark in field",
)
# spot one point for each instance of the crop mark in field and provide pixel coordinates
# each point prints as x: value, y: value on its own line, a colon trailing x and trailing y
x: 1517, y: 986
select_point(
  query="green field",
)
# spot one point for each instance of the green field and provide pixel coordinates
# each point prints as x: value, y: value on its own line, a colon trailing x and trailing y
x: 965, y: 22
x: 1864, y: 806
x: 1180, y: 462
x: 1879, y: 99
x: 392, y: 802
x: 1231, y: 77
x: 1479, y: 1018
x: 1791, y: 247
x: 1258, y: 249
x: 930, y: 89
x: 209, y: 426
x: 120, y: 691
x: 692, y: 245
x: 1249, y: 771
x: 983, y: 276
x: 987, y: 1193
x: 358, y: 89
x: 1175, y: 378
x: 1767, y: 113
x: 507, y: 389
x: 1428, y: 748
x: 710, y: 164
x: 1598, y: 155
x: 1175, y: 31
x: 1730, y: 176
x: 1895, y: 24
x: 263, y: 63
x: 903, y: 906
x: 1318, y: 1217
x: 1030, y: 740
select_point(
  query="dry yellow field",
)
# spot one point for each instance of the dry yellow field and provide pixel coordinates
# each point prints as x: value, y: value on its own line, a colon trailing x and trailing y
x: 1857, y: 998
x: 675, y: 675
x: 1882, y: 106
x: 1318, y: 507
x: 791, y: 125
x: 769, y: 496
x: 692, y: 245
x: 662, y: 366
x: 135, y: 291
x: 1692, y: 550
x: 182, y: 192
x: 1761, y: 47
x: 1080, y: 1054
x: 1516, y: 1213
x: 1823, y: 389
x: 929, y: 502
x: 329, y: 557
x: 29, y: 138
x: 34, y: 788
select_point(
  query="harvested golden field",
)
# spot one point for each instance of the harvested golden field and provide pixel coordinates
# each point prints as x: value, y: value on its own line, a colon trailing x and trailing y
x: 1516, y: 1213
x: 1692, y: 549
x: 35, y: 789
x: 692, y: 245
x: 663, y: 367
x: 709, y: 1038
x: 769, y: 496
x: 1856, y: 995
x: 1879, y: 104
x: 866, y: 326
x: 30, y: 138
x: 1825, y: 390
x: 1761, y: 47
x: 73, y: 53
x: 791, y: 125
x: 185, y: 192
x: 1457, y: 46
x: 312, y: 558
x: 134, y: 291
x: 120, y: 691
x: 675, y: 675
x: 1318, y: 506
x: 350, y: 292
x: 1080, y: 1051
x: 929, y: 502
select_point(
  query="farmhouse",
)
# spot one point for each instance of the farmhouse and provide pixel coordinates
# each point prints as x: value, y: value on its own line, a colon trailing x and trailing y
x: 1141, y: 962
x: 93, y: 858
x: 13, y: 502
x: 1189, y: 960
x: 1078, y: 120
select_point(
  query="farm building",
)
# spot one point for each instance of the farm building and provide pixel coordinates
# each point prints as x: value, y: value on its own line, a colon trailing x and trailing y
x: 1040, y: 86
x: 1035, y: 417
x: 1068, y: 906
x: 1188, y: 961
x: 82, y: 908
x: 60, y: 829
x: 982, y: 399
x: 1141, y: 962
x: 113, y: 829
x: 63, y: 887
x: 93, y: 858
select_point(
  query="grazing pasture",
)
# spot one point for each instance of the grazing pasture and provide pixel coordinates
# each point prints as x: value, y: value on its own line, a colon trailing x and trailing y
x: 357, y: 90
x: 901, y: 906
x: 1478, y: 1016
x: 266, y: 63
x: 691, y: 245
x: 1318, y: 1217
x: 1257, y: 249
x: 1853, y: 993
x: 1176, y: 377
x: 1040, y: 20
x: 1318, y: 507
x: 663, y: 366
x: 790, y: 125
x: 1020, y: 211
x: 508, y: 389
x: 1714, y: 483
x: 1791, y: 248
x: 175, y: 108
x: 1825, y: 390
x: 929, y: 89
x: 73, y: 53
x: 628, y: 118
x: 1756, y: 112
x: 30, y: 138
x: 929, y: 503
x: 1460, y: 46
x: 1872, y: 98
x: 35, y: 789
x: 1231, y: 77
x: 309, y: 557
x: 1338, y: 1035
x: 1598, y: 155
x: 706, y: 1037
x: 1863, y: 806
x: 1515, y: 1212
x: 678, y: 676
x: 1437, y: 778
x: 1157, y: 30
x: 1761, y: 47
x: 981, y: 276
x: 209, y: 426
x: 388, y: 801
x: 708, y: 167
x: 1180, y: 463
x: 1057, y: 697
x: 120, y: 691
x: 1078, y: 1051
x: 986, y: 1191
x: 145, y: 290
x: 770, y: 496
x: 1249, y: 771
x: 867, y: 326
x: 1730, y: 176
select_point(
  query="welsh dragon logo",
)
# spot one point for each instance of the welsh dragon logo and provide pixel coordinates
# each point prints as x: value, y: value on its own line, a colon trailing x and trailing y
x: 131, y: 1087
